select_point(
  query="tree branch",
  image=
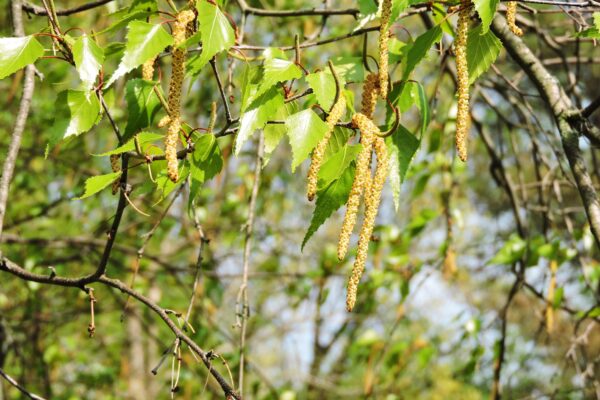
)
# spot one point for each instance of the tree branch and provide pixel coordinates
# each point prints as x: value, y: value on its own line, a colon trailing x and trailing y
x: 37, y: 10
x: 571, y: 123
x: 21, y: 389
x: 17, y: 134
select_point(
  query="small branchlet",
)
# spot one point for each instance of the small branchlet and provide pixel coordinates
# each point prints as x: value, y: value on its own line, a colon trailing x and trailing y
x: 115, y: 165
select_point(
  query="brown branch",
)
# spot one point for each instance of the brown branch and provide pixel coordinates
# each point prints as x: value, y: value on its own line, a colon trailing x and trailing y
x: 37, y: 10
x: 21, y: 389
x: 246, y: 9
x: 9, y: 266
x: 17, y: 134
x: 569, y: 120
x: 243, y: 292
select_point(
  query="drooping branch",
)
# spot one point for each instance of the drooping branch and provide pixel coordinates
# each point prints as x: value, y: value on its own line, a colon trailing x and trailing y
x: 569, y: 120
x: 37, y: 10
x: 11, y: 267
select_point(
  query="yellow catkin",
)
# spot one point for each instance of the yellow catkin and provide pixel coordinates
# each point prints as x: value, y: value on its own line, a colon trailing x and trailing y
x: 550, y: 297
x: 511, y: 18
x: 369, y: 95
x: 337, y: 111
x: 368, y: 132
x: 148, y: 69
x: 463, y: 117
x: 384, y: 36
x: 164, y: 121
x: 115, y: 165
x: 372, y: 200
x: 175, y: 86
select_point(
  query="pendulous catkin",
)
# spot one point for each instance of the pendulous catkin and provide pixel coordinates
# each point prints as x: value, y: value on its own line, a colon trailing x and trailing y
x: 337, y: 111
x: 372, y: 200
x: 369, y: 95
x: 174, y: 100
x: 368, y: 132
x: 115, y: 165
x: 511, y: 18
x: 148, y: 69
x: 463, y: 116
x: 384, y: 36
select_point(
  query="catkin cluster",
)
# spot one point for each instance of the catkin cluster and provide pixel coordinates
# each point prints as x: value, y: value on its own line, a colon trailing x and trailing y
x: 511, y: 18
x: 337, y: 111
x: 372, y: 200
x: 384, y: 35
x: 180, y: 33
x: 463, y: 116
x: 115, y: 165
x: 362, y: 175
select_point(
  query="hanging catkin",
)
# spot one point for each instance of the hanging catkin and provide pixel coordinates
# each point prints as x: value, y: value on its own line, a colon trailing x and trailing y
x: 175, y: 86
x: 384, y: 36
x: 369, y: 95
x: 511, y: 18
x: 372, y: 200
x: 368, y: 131
x: 148, y: 69
x: 337, y: 111
x: 463, y: 117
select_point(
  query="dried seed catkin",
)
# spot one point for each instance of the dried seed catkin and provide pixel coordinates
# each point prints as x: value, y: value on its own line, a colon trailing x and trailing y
x: 115, y: 165
x: 368, y: 133
x: 337, y: 111
x: 511, y: 18
x: 372, y: 200
x: 384, y: 36
x: 463, y: 116
x: 175, y: 86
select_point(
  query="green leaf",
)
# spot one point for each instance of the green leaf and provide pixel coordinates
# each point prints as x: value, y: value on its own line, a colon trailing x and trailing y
x: 486, y: 10
x: 335, y: 165
x: 257, y: 115
x: 482, y: 50
x: 511, y: 252
x: 277, y: 70
x: 206, y: 161
x: 420, y: 48
x: 323, y: 85
x: 423, y: 106
x: 138, y: 10
x: 329, y: 200
x: 142, y: 105
x: 350, y: 69
x: 96, y: 183
x: 558, y: 297
x: 83, y: 112
x: 216, y: 32
x: 275, y: 132
x: 143, y: 138
x: 402, y: 146
x: 305, y: 129
x: 144, y: 41
x: 17, y: 52
x: 88, y: 57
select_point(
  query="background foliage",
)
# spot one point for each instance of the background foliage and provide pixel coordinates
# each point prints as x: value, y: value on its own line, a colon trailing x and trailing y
x: 460, y: 267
